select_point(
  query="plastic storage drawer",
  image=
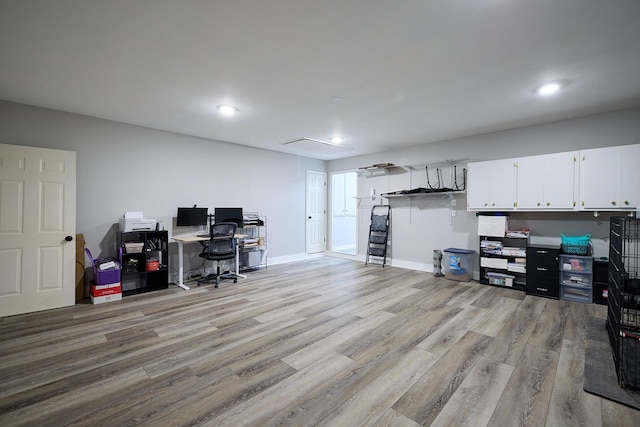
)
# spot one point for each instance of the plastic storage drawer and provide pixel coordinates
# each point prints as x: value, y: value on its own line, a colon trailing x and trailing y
x: 578, y: 280
x: 576, y: 294
x: 575, y: 263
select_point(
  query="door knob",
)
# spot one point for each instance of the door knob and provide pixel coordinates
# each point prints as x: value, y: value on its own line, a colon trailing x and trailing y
x: 68, y: 238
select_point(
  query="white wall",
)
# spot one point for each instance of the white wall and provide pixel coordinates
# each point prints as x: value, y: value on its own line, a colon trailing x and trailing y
x: 123, y: 167
x: 130, y: 168
x: 420, y: 225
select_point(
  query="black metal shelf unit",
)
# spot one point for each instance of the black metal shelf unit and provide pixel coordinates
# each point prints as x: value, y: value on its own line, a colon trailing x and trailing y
x: 144, y: 261
x: 623, y: 312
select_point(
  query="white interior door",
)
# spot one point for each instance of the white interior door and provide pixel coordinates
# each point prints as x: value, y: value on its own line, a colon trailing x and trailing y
x: 37, y: 226
x: 316, y: 210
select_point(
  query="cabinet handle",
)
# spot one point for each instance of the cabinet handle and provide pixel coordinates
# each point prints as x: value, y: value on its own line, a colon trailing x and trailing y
x: 548, y: 204
x: 626, y: 202
x: 538, y: 203
x: 542, y: 289
x: 613, y: 202
x: 541, y: 269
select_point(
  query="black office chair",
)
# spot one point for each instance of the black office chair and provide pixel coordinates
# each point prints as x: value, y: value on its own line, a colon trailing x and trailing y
x: 220, y: 247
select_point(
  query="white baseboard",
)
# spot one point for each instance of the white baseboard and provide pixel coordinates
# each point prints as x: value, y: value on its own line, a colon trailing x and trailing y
x: 293, y: 258
x: 362, y: 258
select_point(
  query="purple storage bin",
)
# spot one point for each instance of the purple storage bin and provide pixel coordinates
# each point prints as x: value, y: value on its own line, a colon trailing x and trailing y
x: 105, y: 277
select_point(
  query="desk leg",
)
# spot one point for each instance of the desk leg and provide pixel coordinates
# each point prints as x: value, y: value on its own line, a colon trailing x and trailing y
x: 181, y: 266
x: 237, y: 260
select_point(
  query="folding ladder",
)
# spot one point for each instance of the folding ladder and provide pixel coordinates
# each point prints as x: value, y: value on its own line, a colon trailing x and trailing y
x: 379, y: 233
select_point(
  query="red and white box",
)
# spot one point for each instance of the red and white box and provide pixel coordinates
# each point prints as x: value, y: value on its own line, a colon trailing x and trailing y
x: 105, y: 293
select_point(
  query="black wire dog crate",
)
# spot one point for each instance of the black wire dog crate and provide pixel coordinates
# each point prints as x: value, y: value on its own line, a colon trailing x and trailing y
x: 623, y: 316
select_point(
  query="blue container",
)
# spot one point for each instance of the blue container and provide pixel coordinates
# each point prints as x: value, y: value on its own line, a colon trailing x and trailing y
x: 458, y: 264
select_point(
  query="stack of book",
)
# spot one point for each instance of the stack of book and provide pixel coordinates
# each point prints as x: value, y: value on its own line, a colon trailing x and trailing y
x: 523, y: 232
x: 491, y: 247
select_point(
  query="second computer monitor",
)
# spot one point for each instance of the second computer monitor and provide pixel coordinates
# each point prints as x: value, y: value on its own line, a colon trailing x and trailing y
x: 229, y: 215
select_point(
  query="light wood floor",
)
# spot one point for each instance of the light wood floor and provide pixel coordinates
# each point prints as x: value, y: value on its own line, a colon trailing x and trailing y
x: 325, y: 342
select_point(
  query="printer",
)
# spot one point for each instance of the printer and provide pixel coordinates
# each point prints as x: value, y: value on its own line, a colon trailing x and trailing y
x: 135, y: 221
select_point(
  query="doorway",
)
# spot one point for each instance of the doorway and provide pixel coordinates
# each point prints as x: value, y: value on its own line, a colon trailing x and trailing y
x: 344, y: 213
x: 316, y: 201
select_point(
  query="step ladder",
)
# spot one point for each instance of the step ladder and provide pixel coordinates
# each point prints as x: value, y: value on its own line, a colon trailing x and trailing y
x: 379, y: 233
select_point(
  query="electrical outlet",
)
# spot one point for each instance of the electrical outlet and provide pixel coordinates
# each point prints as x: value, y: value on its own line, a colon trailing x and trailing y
x: 453, y: 212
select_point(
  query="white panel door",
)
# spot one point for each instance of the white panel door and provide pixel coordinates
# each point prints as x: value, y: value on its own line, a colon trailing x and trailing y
x: 37, y: 226
x: 316, y: 223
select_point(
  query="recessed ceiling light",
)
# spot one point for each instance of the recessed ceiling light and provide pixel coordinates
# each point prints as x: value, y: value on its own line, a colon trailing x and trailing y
x: 549, y: 88
x: 227, y: 110
x: 337, y: 139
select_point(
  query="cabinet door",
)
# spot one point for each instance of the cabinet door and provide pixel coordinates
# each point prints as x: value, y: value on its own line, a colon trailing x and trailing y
x: 530, y: 187
x: 546, y: 182
x: 629, y: 176
x: 599, y: 178
x: 559, y: 180
x: 491, y: 185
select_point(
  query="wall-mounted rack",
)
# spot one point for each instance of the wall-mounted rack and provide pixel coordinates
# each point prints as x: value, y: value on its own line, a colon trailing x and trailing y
x: 455, y: 169
x: 383, y: 168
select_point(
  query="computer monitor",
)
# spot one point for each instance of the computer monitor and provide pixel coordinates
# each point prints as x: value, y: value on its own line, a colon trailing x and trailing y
x: 229, y: 215
x: 192, y: 217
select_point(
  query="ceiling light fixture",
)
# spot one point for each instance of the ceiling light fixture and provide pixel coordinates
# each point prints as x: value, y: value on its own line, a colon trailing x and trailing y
x: 337, y: 139
x: 549, y: 88
x: 227, y: 110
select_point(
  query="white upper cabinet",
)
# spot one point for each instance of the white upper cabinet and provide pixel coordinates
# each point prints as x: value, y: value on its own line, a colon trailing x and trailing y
x: 547, y: 182
x: 610, y: 178
x: 630, y: 176
x: 491, y: 185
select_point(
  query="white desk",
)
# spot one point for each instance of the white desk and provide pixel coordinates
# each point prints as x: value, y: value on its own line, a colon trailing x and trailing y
x: 181, y: 240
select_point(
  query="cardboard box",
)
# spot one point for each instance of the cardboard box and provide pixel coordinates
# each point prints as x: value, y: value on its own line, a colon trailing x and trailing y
x: 106, y: 298
x: 102, y: 290
x: 80, y: 266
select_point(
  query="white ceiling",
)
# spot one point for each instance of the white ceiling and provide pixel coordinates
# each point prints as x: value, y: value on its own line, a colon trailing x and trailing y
x: 382, y: 73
